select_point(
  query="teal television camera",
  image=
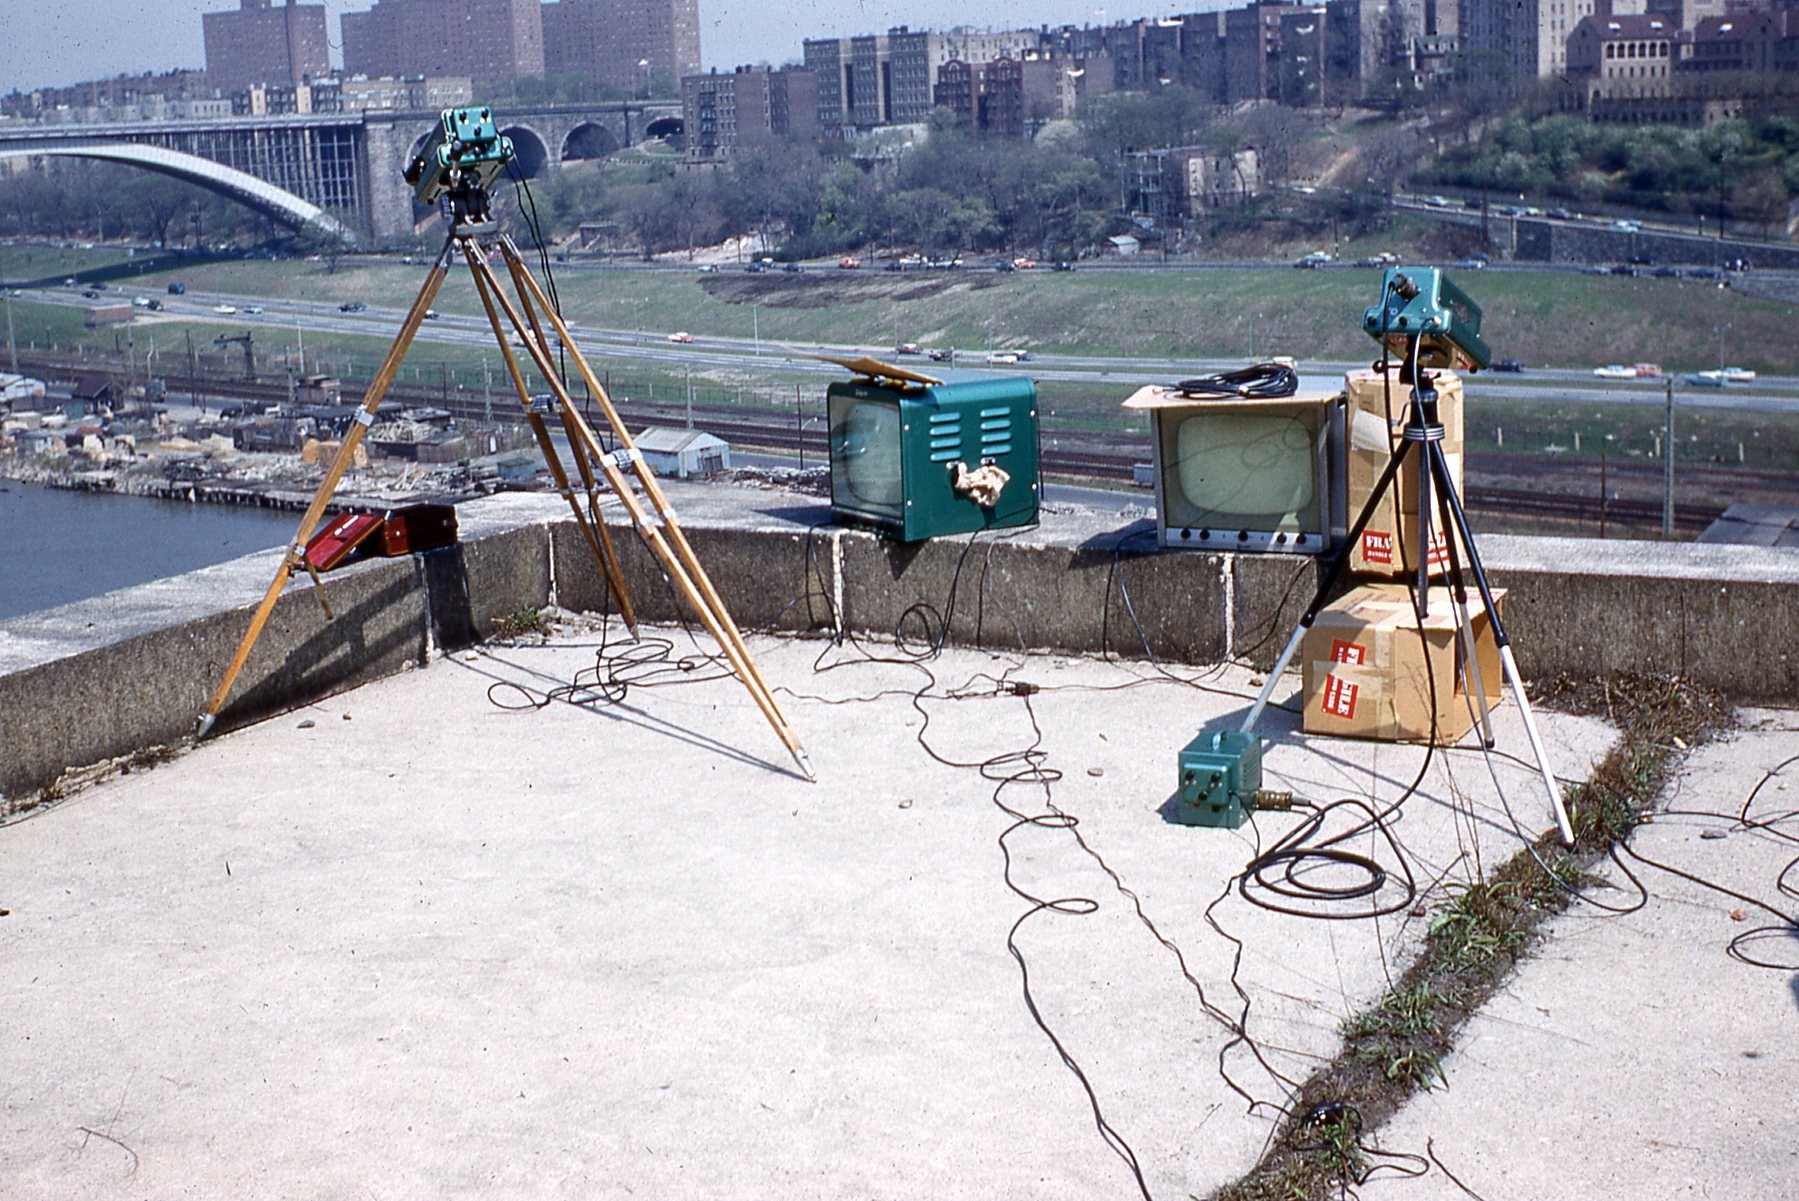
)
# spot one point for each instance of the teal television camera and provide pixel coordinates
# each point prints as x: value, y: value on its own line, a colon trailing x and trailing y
x: 463, y: 155
x: 1424, y: 316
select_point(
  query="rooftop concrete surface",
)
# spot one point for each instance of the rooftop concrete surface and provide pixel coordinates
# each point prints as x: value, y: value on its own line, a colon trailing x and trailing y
x: 405, y: 942
x: 1632, y: 1056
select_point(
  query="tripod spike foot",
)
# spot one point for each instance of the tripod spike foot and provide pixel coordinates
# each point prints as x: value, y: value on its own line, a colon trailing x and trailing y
x: 805, y: 761
x: 206, y: 720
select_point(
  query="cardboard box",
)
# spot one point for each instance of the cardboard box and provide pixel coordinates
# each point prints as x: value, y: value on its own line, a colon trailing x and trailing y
x: 1377, y: 413
x: 1369, y: 675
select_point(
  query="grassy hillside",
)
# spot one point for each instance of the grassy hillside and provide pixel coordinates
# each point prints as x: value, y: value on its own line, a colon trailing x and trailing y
x: 1544, y: 318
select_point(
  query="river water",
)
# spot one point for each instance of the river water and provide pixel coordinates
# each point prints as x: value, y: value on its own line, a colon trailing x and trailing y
x: 58, y: 546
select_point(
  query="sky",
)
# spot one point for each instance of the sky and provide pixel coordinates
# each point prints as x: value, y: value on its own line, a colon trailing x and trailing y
x: 67, y: 41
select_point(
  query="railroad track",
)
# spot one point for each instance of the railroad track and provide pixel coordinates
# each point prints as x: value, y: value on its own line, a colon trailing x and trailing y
x: 1084, y: 458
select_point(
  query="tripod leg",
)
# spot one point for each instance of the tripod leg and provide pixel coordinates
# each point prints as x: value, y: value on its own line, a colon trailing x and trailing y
x: 605, y: 554
x: 600, y: 548
x: 296, y: 552
x: 1506, y: 660
x: 1335, y: 566
x: 1471, y: 677
x: 688, y: 576
x: 683, y: 550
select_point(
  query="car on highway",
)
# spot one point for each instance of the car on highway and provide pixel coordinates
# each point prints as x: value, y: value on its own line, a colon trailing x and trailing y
x: 1024, y: 264
x: 907, y: 348
x: 792, y: 268
x: 1626, y: 227
x: 177, y: 288
x: 1003, y: 358
x: 227, y: 309
x: 1512, y: 366
x: 253, y: 309
x: 140, y: 302
x: 351, y: 306
x: 1062, y: 265
x: 680, y: 335
x: 1615, y: 371
x: 430, y: 314
x: 1738, y: 375
x: 943, y: 354
x: 849, y: 262
x: 1561, y: 214
x: 1706, y: 379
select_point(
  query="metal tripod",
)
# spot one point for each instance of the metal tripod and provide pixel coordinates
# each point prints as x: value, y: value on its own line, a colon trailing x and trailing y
x: 528, y: 320
x: 1423, y: 436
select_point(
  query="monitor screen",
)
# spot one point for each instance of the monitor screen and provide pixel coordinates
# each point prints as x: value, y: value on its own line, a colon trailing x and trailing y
x: 865, y: 457
x: 1230, y: 470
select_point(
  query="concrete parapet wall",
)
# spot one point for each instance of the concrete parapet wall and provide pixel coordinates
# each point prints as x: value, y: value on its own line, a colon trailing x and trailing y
x: 111, y: 676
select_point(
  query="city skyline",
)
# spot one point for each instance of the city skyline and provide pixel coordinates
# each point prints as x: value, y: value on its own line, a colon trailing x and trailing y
x: 100, y: 39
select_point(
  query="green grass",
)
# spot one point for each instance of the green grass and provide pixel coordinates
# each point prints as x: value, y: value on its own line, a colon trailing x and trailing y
x: 1541, y: 318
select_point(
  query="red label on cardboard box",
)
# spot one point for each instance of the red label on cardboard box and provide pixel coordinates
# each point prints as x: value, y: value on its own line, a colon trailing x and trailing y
x: 1348, y: 652
x: 1439, y: 550
x: 1377, y: 547
x: 1339, y: 698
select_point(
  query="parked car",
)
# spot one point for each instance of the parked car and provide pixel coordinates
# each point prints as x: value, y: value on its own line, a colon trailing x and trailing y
x: 1509, y: 365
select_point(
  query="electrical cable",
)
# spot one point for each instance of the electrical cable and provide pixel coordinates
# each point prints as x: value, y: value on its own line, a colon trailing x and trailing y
x: 1263, y: 381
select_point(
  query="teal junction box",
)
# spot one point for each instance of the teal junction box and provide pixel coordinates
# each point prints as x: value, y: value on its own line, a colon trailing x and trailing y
x: 1221, y: 772
x: 919, y: 458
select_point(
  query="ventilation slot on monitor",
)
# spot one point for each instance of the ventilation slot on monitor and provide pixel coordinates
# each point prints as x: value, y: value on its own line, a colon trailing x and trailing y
x: 996, y: 432
x: 946, y: 437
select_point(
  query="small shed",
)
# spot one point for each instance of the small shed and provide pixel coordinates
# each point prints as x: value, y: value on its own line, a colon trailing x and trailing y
x: 683, y: 453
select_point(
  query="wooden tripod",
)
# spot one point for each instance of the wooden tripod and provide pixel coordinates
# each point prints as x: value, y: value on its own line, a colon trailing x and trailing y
x: 663, y: 536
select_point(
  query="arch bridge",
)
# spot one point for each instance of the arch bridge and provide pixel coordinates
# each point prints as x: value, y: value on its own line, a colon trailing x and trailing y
x: 303, y: 170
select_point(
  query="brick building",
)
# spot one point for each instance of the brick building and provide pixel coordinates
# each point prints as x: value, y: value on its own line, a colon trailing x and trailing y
x: 726, y: 113
x: 492, y: 42
x: 635, y: 47
x: 264, y: 44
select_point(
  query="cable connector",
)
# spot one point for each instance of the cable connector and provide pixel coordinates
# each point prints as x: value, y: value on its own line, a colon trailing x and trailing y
x: 1274, y: 799
x: 1025, y: 688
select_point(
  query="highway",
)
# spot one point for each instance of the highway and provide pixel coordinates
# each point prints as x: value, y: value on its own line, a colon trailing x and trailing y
x: 281, y: 317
